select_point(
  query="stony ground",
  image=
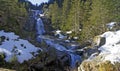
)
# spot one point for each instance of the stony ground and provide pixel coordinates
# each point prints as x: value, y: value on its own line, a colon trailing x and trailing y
x: 3, y: 69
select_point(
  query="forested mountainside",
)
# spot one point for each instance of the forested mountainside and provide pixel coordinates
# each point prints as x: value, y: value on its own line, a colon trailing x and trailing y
x: 60, y: 35
x: 86, y: 18
x: 13, y: 16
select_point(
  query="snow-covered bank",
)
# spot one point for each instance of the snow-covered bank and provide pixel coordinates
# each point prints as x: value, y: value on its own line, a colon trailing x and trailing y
x: 111, y: 49
x: 108, y: 56
x: 12, y: 46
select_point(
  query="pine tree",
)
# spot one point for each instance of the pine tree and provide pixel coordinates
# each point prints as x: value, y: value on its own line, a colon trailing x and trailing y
x: 98, y: 19
x: 65, y: 10
x: 74, y: 16
x: 54, y: 14
x: 13, y: 14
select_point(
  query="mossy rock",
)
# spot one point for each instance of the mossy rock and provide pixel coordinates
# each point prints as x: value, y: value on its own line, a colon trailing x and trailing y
x: 106, y: 66
x: 88, y: 66
x: 99, y: 66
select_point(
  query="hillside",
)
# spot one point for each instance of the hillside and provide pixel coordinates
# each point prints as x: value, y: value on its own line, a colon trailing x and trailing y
x: 59, y: 35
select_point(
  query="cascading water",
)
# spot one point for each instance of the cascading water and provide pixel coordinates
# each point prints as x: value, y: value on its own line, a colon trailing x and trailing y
x: 40, y: 27
x: 40, y: 31
x: 74, y: 59
x: 39, y: 24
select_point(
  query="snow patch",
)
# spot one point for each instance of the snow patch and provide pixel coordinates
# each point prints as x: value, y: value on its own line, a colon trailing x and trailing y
x: 23, y: 49
x: 58, y: 33
x: 69, y: 32
x: 75, y: 38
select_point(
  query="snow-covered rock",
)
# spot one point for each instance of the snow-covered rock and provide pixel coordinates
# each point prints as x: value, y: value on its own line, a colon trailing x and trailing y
x: 14, y: 46
x: 111, y: 47
x: 41, y: 15
x: 69, y: 32
x: 61, y: 36
x: 75, y: 38
x: 58, y: 31
x: 110, y: 50
x: 108, y: 58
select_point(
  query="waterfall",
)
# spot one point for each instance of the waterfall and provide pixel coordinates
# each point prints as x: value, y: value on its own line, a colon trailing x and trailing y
x: 40, y: 27
x: 40, y: 31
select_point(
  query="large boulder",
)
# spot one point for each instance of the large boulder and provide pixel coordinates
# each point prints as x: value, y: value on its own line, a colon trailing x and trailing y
x: 98, y: 66
x: 96, y: 63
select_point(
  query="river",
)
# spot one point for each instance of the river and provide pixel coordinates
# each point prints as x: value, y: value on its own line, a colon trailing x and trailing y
x: 52, y: 42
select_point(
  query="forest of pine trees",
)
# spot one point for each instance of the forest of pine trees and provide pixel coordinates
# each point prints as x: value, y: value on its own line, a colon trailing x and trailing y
x: 86, y: 18
x: 13, y: 15
x: 91, y: 16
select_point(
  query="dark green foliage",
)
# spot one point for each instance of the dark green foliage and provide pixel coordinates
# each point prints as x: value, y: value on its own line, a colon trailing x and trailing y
x: 2, y: 56
x: 55, y: 15
x: 12, y: 15
x: 89, y: 15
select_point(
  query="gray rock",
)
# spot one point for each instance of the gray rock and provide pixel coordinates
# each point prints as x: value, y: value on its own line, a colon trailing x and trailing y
x: 99, y: 41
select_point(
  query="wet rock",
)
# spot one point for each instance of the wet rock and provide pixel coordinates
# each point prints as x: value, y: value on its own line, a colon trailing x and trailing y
x: 63, y: 58
x: 79, y: 52
x: 2, y: 38
x: 113, y: 26
x: 99, y: 41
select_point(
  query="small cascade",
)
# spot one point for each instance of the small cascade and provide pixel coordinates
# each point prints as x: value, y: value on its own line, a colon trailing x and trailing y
x: 75, y: 59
